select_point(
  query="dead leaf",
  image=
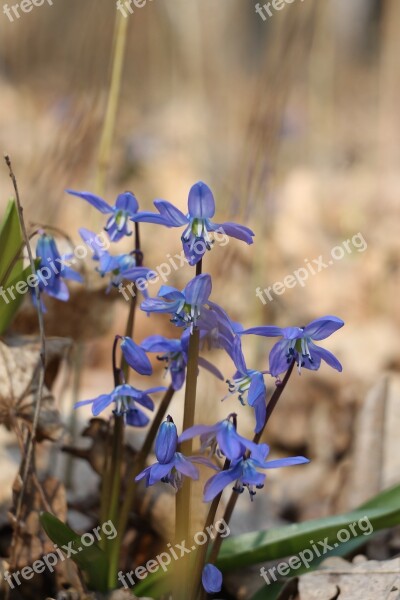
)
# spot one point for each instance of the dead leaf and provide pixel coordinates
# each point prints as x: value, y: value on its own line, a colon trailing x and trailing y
x: 19, y: 370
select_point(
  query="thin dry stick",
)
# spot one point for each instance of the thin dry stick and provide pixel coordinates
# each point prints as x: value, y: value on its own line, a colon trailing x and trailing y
x: 30, y: 444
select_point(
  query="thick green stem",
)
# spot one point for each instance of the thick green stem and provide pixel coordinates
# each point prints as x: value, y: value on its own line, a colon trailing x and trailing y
x: 183, y: 497
x: 234, y: 496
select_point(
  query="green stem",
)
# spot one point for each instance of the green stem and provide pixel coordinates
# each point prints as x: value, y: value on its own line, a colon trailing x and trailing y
x: 140, y: 461
x: 234, y: 496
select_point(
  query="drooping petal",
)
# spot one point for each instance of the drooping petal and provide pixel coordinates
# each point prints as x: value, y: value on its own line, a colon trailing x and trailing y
x: 218, y: 482
x: 159, y: 343
x: 328, y: 357
x: 127, y: 201
x: 229, y: 442
x: 172, y: 216
x: 267, y: 331
x: 196, y: 430
x: 239, y: 232
x: 257, y: 389
x: 201, y: 202
x: 136, y: 418
x: 211, y: 579
x: 286, y: 462
x: 57, y: 289
x: 210, y: 367
x: 292, y: 333
x: 198, y: 290
x: 278, y: 362
x: 94, y: 200
x: 238, y: 357
x: 159, y: 305
x: 260, y: 412
x: 145, y: 401
x: 184, y: 466
x: 146, y: 216
x: 100, y: 403
x: 158, y: 471
x: 91, y: 240
x: 136, y: 357
x: 319, y: 329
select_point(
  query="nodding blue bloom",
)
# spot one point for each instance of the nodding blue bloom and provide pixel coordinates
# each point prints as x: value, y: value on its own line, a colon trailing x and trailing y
x: 135, y: 356
x: 125, y: 398
x: 185, y: 307
x: 201, y: 208
x: 222, y: 438
x: 217, y: 330
x: 245, y: 474
x: 175, y: 355
x: 52, y: 269
x: 119, y: 267
x: 125, y: 208
x: 248, y: 384
x: 211, y: 579
x: 298, y: 344
x: 171, y: 466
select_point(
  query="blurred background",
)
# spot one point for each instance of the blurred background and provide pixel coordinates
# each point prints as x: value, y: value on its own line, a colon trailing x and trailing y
x: 294, y: 123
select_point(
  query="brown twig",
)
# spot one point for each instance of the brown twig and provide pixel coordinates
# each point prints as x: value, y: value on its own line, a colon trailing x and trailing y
x: 31, y: 440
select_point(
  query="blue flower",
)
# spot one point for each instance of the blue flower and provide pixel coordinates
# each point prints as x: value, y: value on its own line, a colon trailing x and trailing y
x: 196, y: 238
x: 185, y: 307
x: 245, y: 474
x: 119, y: 267
x: 175, y: 355
x: 298, y: 344
x: 171, y: 466
x: 125, y: 208
x: 52, y: 269
x: 211, y: 579
x: 248, y: 384
x: 125, y: 398
x: 217, y: 330
x: 135, y: 356
x: 222, y: 438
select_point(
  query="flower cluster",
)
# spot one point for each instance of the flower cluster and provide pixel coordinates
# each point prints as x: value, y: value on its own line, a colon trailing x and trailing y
x: 192, y: 311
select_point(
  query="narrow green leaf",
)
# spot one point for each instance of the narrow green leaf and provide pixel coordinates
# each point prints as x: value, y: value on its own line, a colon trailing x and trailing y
x: 90, y: 559
x: 11, y: 240
x: 383, y: 511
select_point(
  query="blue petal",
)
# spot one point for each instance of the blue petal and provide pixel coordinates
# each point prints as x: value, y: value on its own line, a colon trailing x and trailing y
x: 260, y: 412
x: 184, y: 466
x: 286, y: 462
x: 250, y: 475
x: 278, y: 362
x: 172, y: 216
x: 127, y: 202
x: 170, y: 293
x: 211, y: 579
x: 91, y: 240
x: 218, y: 482
x: 257, y: 389
x: 293, y: 333
x: 201, y: 201
x: 196, y: 430
x: 159, y: 305
x: 57, y: 289
x: 193, y: 254
x: 159, y: 343
x: 100, y: 403
x: 323, y: 327
x: 198, y: 290
x: 229, y: 441
x: 94, y: 200
x: 325, y: 355
x: 238, y: 357
x: 146, y: 216
x: 159, y: 471
x: 166, y: 442
x: 136, y: 357
x: 136, y: 418
x: 239, y: 232
x: 267, y: 331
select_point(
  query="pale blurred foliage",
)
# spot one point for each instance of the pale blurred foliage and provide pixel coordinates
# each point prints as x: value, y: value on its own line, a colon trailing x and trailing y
x: 294, y: 123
